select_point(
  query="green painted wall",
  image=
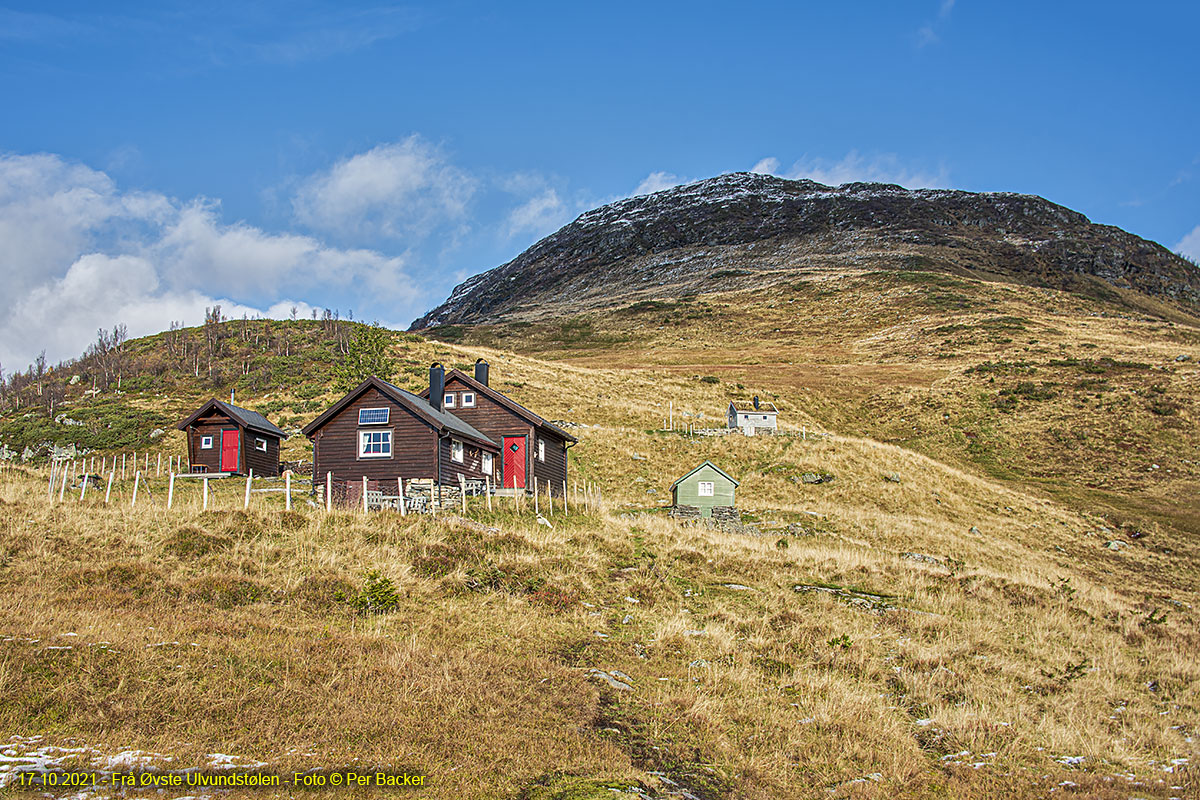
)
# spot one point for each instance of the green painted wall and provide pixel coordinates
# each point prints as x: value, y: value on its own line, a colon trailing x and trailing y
x: 687, y: 493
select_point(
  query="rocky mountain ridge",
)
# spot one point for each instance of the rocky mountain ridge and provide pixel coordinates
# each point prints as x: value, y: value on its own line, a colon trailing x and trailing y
x: 745, y: 227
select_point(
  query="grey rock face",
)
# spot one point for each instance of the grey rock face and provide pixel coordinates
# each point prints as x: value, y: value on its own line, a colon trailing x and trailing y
x: 689, y: 236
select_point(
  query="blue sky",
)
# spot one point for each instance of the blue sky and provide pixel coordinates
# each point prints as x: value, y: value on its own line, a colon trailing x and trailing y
x: 158, y: 157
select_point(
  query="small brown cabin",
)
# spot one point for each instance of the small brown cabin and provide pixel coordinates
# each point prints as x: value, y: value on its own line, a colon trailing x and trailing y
x: 224, y: 438
x: 381, y: 432
x: 532, y: 447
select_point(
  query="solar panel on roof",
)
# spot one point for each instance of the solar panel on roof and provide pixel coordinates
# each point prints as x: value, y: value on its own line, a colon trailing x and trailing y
x: 372, y: 416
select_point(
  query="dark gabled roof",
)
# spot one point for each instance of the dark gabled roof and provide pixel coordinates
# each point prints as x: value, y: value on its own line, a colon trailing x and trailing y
x: 507, y: 402
x: 242, y: 416
x: 699, y: 467
x: 748, y: 405
x: 440, y: 420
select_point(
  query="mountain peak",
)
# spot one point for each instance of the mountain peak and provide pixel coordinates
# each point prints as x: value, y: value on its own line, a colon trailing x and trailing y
x: 698, y: 236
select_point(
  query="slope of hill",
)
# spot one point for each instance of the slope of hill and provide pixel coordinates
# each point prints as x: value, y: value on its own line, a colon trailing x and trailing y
x: 908, y: 629
x: 743, y: 228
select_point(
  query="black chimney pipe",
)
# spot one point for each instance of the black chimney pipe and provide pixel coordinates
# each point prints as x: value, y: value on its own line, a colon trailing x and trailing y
x: 755, y: 402
x: 437, y: 385
x: 481, y: 371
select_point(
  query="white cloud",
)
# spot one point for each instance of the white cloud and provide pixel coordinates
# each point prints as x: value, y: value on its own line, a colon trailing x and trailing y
x: 656, y: 182
x: 767, y: 166
x: 1190, y: 245
x: 928, y: 34
x: 402, y: 189
x: 541, y: 214
x: 80, y: 254
x: 853, y: 167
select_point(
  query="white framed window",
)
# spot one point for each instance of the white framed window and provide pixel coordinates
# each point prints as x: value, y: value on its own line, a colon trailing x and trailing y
x: 260, y: 445
x: 705, y: 488
x: 373, y: 416
x: 487, y: 463
x: 374, y: 444
x: 206, y: 442
x: 468, y: 399
x: 456, y: 451
x: 448, y: 400
x: 541, y: 449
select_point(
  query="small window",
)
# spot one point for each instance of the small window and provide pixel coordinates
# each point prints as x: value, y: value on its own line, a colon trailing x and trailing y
x: 206, y: 442
x: 373, y: 416
x: 375, y: 444
x: 456, y: 451
x: 449, y: 400
x: 468, y: 399
x: 260, y: 445
x: 705, y: 488
x: 541, y: 449
x: 487, y: 463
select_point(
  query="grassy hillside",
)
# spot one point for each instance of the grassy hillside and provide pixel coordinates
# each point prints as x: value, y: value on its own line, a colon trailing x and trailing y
x: 933, y: 622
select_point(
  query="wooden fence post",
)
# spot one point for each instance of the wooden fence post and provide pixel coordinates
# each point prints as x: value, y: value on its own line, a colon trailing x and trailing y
x: 171, y: 491
x: 287, y: 490
x: 329, y: 491
x: 158, y: 469
x: 249, y: 480
x: 400, y: 488
x: 122, y: 466
x: 111, y: 474
x: 137, y: 479
x: 50, y: 486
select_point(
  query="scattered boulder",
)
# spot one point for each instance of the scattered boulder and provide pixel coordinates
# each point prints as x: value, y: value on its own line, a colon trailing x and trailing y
x: 817, y: 477
x: 922, y: 558
x: 1116, y: 544
x: 892, y: 477
x: 974, y: 530
x: 610, y: 679
x: 157, y: 432
x: 1183, y: 357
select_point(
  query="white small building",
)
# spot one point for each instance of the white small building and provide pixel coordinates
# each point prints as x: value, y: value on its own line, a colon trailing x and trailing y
x: 753, y: 416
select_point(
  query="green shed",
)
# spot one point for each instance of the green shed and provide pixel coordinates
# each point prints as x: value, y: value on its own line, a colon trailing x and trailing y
x: 705, y: 487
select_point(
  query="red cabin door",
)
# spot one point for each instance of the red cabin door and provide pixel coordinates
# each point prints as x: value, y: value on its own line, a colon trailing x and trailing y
x: 514, y: 462
x: 229, y: 451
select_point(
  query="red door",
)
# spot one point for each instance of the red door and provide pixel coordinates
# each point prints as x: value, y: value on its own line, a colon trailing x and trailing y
x: 229, y: 451
x: 514, y: 462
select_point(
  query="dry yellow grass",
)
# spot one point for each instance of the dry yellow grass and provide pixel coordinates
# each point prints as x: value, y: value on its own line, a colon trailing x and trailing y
x: 964, y: 632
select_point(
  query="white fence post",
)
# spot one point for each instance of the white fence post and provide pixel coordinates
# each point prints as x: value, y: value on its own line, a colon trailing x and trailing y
x: 536, y: 511
x: 205, y: 506
x: 171, y: 491
x: 364, y: 494
x: 111, y: 474
x: 249, y: 480
x: 83, y: 491
x: 400, y: 487
x: 329, y: 491
x: 287, y: 490
x: 137, y: 479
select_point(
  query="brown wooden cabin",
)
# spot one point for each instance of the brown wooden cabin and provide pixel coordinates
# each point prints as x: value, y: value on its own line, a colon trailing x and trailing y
x: 224, y: 438
x: 382, y: 432
x: 532, y: 446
